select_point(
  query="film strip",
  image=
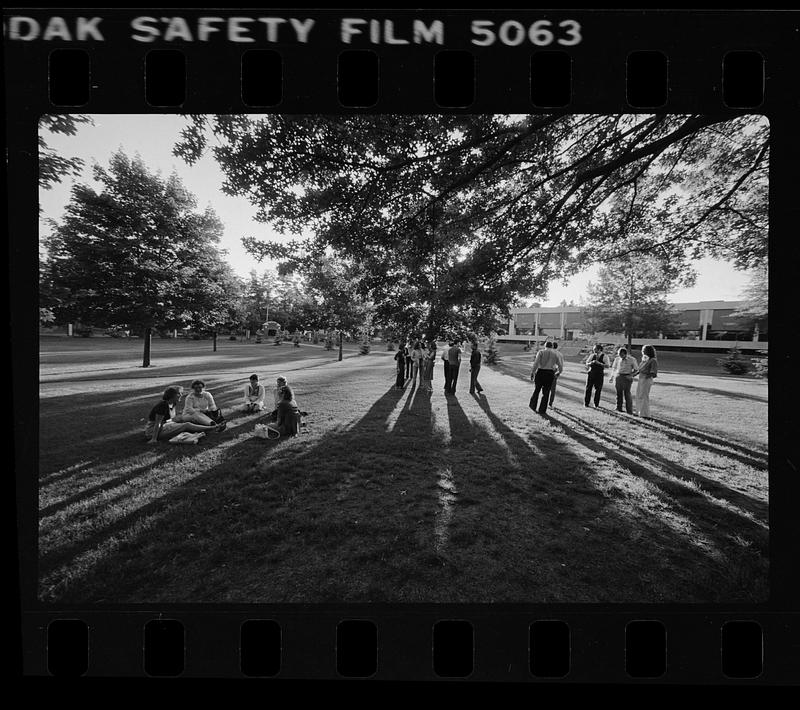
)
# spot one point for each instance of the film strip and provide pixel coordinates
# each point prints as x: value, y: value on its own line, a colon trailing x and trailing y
x: 408, y: 62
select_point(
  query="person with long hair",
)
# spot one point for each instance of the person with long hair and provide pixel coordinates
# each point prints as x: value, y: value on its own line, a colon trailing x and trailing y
x: 648, y: 371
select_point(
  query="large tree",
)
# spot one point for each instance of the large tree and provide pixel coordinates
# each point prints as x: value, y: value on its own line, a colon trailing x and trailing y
x: 135, y: 252
x: 630, y: 297
x: 443, y: 210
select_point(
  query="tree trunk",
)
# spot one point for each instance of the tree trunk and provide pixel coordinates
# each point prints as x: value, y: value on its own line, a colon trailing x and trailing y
x: 214, y: 338
x: 148, y: 334
x: 340, y: 345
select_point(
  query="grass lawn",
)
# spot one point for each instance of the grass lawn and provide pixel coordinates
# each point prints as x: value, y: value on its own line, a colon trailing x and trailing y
x: 395, y: 496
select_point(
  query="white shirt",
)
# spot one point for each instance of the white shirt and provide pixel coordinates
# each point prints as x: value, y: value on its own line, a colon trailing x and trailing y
x: 203, y: 403
x: 546, y: 359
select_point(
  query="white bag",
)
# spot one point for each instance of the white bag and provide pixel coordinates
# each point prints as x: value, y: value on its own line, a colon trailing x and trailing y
x: 265, y: 431
x: 187, y: 437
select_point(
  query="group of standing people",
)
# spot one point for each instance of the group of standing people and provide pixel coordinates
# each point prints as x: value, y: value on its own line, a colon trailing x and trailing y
x: 200, y: 413
x: 549, y: 364
x: 417, y: 358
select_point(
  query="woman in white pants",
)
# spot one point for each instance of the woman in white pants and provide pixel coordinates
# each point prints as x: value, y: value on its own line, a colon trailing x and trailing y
x: 648, y: 371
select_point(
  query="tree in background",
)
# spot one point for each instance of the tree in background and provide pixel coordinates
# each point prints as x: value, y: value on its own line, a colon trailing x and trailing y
x: 756, y: 297
x: 438, y: 210
x: 630, y: 297
x: 135, y: 252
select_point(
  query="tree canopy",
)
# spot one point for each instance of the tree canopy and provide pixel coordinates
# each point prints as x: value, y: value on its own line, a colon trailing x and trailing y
x: 136, y: 252
x: 53, y: 167
x: 439, y: 211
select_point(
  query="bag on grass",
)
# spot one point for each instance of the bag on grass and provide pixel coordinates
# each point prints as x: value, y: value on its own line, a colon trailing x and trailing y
x: 265, y: 431
x: 217, y: 416
x: 187, y: 437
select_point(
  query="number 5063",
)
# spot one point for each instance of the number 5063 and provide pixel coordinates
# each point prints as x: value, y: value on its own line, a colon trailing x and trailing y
x: 513, y: 33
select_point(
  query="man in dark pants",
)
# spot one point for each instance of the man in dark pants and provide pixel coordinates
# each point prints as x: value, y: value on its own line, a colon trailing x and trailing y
x: 560, y: 370
x: 446, y: 368
x: 543, y: 373
x: 596, y: 363
x: 454, y: 361
x: 474, y: 369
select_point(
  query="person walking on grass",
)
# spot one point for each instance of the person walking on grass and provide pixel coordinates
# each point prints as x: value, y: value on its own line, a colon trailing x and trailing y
x: 400, y: 359
x: 596, y: 364
x: 648, y: 371
x: 557, y: 374
x: 623, y: 371
x: 474, y: 369
x: 454, y: 364
x: 543, y: 372
x: 163, y: 422
x: 254, y: 395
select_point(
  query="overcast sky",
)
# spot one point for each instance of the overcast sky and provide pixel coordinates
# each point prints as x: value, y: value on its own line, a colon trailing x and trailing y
x: 153, y: 137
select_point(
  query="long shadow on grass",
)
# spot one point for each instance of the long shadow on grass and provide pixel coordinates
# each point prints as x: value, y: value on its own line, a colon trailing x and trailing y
x: 702, y: 440
x: 702, y: 510
x: 351, y: 517
x: 721, y: 393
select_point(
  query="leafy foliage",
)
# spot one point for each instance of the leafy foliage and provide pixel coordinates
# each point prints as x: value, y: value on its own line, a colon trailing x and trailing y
x: 136, y: 253
x: 630, y: 297
x: 450, y: 218
x: 735, y: 363
x: 52, y: 166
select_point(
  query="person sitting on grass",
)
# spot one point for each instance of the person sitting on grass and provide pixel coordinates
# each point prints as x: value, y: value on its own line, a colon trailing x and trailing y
x: 199, y: 407
x: 287, y: 422
x: 254, y: 395
x: 281, y: 387
x: 163, y: 424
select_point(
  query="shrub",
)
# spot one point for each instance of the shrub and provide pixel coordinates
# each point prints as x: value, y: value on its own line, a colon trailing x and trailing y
x: 734, y: 363
x: 364, y: 348
x: 492, y: 355
x: 329, y: 341
x: 760, y: 365
x: 390, y: 345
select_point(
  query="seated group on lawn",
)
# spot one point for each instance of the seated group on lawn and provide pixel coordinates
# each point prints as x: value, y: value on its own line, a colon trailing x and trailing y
x: 201, y: 415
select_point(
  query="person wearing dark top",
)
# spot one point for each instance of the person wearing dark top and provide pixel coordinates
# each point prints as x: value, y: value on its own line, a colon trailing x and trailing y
x: 400, y: 358
x: 454, y: 363
x: 288, y: 422
x: 595, y: 366
x: 474, y: 369
x: 161, y: 424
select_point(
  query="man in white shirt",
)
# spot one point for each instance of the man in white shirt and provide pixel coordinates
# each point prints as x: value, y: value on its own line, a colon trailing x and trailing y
x: 545, y: 366
x: 622, y: 374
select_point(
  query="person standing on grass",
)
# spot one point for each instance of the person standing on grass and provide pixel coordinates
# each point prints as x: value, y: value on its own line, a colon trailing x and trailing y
x: 596, y: 364
x: 454, y: 363
x: 557, y: 374
x: 407, y: 366
x: 446, y: 367
x: 199, y: 406
x: 400, y: 359
x: 648, y: 371
x: 543, y: 372
x: 427, y: 368
x: 163, y: 422
x: 254, y: 395
x: 474, y: 369
x: 416, y: 362
x: 623, y: 371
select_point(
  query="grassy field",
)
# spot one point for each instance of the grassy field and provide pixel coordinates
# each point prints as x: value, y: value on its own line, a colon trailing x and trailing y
x: 395, y: 496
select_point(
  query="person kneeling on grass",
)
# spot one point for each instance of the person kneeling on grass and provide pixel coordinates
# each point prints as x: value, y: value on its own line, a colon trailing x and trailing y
x: 254, y: 395
x: 278, y: 393
x: 162, y: 424
x: 288, y: 418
